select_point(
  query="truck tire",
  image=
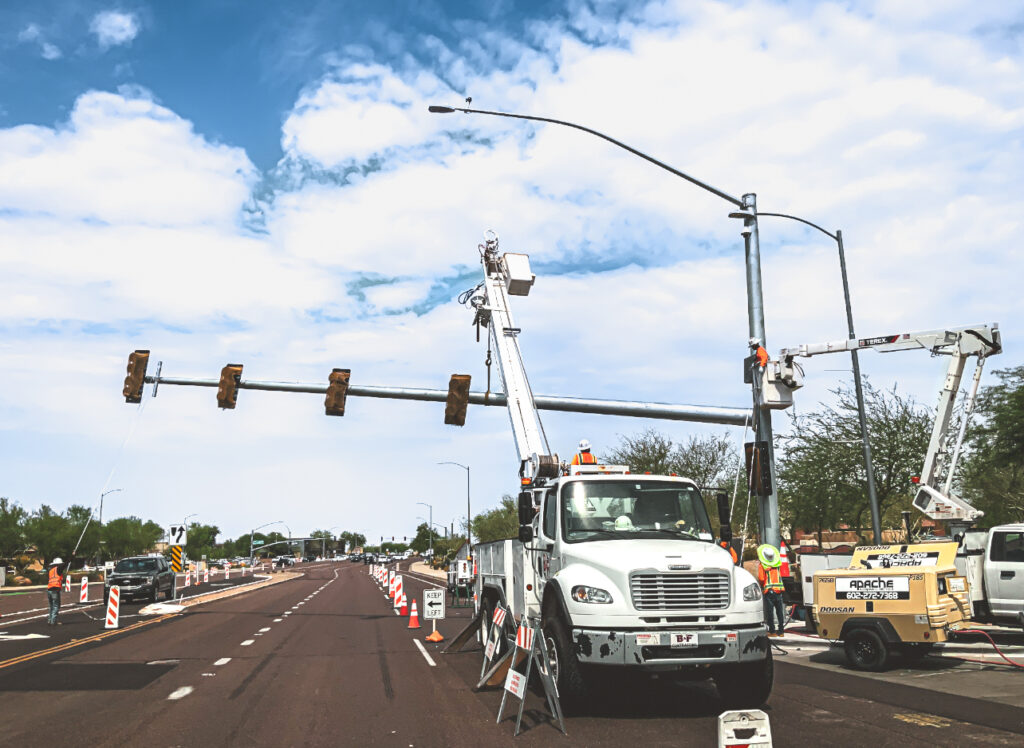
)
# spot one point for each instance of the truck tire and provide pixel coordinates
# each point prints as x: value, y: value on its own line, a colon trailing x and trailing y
x: 568, y: 675
x: 746, y: 685
x: 865, y: 650
x: 169, y: 595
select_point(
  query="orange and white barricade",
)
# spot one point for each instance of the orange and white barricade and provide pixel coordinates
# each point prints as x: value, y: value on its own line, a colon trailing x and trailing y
x: 206, y: 575
x: 83, y: 595
x: 67, y: 583
x: 113, y: 604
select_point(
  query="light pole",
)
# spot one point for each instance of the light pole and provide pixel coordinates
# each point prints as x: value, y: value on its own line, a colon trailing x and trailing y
x: 253, y: 532
x: 430, y: 526
x: 323, y: 541
x: 469, y: 516
x: 869, y: 470
x: 768, y: 505
x: 99, y: 549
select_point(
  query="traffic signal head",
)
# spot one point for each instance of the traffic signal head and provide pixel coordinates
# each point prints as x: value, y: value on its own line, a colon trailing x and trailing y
x: 337, y: 390
x: 227, y: 391
x: 136, y: 378
x: 458, y: 400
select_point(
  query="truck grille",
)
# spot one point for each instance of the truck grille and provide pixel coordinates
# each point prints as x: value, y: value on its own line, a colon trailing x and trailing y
x: 703, y: 591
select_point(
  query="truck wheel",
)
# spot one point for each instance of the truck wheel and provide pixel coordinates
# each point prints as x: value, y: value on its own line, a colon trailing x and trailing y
x: 169, y: 595
x: 865, y: 650
x: 565, y: 665
x: 746, y: 685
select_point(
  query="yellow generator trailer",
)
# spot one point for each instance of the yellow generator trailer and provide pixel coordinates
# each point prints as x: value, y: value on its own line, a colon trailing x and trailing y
x: 893, y: 599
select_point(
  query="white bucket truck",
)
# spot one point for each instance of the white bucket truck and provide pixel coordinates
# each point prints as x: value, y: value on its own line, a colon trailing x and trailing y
x: 620, y: 571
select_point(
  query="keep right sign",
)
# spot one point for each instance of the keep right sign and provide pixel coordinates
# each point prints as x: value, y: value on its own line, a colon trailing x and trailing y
x: 433, y: 604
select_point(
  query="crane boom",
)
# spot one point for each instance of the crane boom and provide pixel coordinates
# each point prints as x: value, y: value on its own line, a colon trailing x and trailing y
x: 505, y: 275
x: 959, y: 343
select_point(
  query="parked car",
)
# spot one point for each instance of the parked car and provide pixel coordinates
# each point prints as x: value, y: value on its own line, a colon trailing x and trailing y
x: 141, y: 576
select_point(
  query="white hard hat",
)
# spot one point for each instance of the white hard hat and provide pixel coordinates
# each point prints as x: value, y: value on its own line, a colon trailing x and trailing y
x: 57, y: 561
x: 584, y: 445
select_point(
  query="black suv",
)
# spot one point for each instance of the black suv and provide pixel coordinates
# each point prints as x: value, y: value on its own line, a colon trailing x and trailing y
x: 142, y: 576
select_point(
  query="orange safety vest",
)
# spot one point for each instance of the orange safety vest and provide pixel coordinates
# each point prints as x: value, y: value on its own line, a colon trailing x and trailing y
x: 584, y: 458
x: 770, y: 578
x: 53, y: 580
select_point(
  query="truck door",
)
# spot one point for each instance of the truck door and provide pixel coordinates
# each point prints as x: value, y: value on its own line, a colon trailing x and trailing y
x: 546, y: 563
x: 1004, y: 572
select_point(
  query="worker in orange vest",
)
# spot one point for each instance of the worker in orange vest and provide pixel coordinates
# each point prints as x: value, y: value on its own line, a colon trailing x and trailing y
x: 54, y: 581
x: 770, y: 577
x: 584, y: 457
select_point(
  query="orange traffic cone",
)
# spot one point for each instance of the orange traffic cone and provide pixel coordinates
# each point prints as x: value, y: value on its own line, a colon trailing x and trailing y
x: 435, y: 636
x: 404, y: 609
x: 784, y: 556
x: 414, y: 617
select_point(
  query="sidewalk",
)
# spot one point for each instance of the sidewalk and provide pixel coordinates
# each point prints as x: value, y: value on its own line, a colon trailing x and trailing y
x: 421, y: 567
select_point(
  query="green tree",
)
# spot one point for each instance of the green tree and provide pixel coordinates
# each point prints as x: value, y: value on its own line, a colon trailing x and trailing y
x: 499, y: 523
x: 422, y: 541
x: 821, y: 478
x: 12, y: 527
x: 993, y: 473
x: 710, y: 461
x: 202, y: 539
x: 129, y: 536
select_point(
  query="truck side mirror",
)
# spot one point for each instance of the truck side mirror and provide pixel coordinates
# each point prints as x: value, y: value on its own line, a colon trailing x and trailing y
x: 724, y: 517
x: 525, y: 534
x: 526, y: 508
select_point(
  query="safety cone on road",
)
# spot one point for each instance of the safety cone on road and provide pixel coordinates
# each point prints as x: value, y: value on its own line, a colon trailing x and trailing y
x: 113, y: 603
x: 435, y: 635
x: 403, y: 610
x: 784, y: 556
x: 83, y: 596
x: 414, y: 617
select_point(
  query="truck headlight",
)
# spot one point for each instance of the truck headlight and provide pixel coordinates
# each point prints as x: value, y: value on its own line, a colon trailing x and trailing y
x: 584, y: 594
x: 752, y: 592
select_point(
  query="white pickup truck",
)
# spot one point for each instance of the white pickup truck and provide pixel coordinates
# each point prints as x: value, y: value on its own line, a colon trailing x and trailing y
x: 623, y: 572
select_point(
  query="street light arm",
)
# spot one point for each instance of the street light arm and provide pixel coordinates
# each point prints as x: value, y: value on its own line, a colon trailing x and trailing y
x: 827, y: 233
x: 693, y: 180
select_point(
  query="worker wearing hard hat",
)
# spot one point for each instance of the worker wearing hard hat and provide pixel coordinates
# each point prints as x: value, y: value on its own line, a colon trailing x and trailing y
x: 54, y: 581
x: 584, y: 457
x: 770, y: 576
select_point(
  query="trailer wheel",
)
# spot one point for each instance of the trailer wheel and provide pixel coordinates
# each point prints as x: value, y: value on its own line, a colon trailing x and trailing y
x: 565, y: 665
x: 746, y: 685
x: 865, y: 650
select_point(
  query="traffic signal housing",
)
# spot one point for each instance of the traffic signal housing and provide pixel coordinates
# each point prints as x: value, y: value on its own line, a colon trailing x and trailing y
x: 458, y: 400
x: 337, y: 391
x: 227, y: 391
x: 136, y: 379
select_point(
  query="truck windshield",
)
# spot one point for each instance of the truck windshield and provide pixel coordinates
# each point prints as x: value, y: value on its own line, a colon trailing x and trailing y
x: 135, y: 565
x: 608, y: 510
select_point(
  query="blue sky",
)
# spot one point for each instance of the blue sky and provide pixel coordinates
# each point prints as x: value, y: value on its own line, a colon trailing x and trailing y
x: 224, y: 181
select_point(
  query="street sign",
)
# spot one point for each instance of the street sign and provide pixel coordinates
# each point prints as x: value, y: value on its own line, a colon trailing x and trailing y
x: 433, y: 604
x: 258, y: 542
x: 463, y: 571
x: 178, y: 535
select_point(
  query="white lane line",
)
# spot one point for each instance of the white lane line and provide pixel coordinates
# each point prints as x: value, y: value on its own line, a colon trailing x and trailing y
x: 300, y: 603
x: 426, y: 655
x: 223, y: 661
x: 180, y: 693
x: 287, y: 613
x: 265, y: 630
x: 247, y: 642
x: 278, y: 620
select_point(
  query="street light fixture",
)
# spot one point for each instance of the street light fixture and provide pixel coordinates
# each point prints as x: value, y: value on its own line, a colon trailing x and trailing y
x: 253, y: 532
x: 101, y: 541
x: 768, y: 505
x: 469, y: 516
x: 869, y: 470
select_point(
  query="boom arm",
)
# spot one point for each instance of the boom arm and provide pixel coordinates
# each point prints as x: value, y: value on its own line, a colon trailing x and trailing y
x: 506, y: 275
x: 957, y: 343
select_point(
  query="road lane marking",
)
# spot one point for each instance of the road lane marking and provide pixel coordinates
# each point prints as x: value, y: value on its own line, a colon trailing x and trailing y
x: 278, y: 620
x: 180, y: 693
x: 223, y: 661
x: 265, y: 630
x: 247, y: 642
x: 426, y: 655
x: 287, y: 613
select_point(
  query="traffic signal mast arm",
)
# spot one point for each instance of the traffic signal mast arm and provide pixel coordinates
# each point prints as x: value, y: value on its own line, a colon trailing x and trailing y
x: 958, y: 343
x: 506, y: 275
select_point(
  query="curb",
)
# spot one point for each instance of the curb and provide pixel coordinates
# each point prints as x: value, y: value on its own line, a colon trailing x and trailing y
x: 210, y: 597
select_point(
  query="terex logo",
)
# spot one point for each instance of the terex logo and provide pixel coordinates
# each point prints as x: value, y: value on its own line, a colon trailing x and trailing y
x: 871, y: 584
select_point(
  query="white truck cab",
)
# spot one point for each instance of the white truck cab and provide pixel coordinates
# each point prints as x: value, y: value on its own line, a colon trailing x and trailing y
x: 993, y: 562
x: 623, y: 571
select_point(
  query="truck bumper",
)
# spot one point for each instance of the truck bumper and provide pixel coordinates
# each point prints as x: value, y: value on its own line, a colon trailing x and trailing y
x: 654, y: 648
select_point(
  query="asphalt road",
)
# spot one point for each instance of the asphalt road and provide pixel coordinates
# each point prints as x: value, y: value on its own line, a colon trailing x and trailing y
x: 323, y: 661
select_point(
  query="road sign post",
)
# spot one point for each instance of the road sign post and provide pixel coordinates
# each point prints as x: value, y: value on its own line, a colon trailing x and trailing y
x: 177, y: 535
x: 433, y: 610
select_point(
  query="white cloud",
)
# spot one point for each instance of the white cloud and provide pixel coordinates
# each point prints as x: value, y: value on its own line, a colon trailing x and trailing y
x: 897, y: 127
x: 32, y: 33
x: 113, y: 28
